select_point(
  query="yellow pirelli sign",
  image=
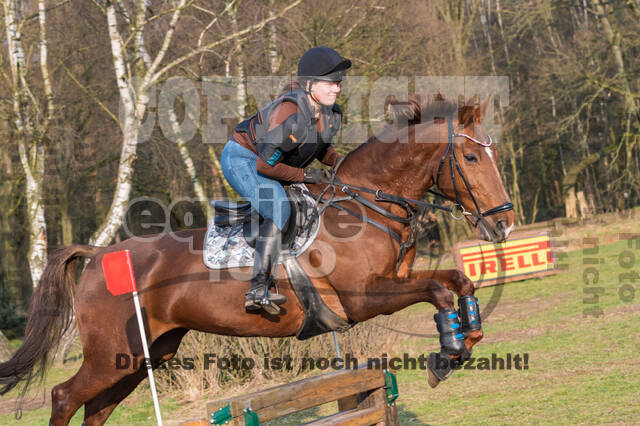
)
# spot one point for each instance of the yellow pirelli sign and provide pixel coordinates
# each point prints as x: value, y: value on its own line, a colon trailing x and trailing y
x: 521, y: 257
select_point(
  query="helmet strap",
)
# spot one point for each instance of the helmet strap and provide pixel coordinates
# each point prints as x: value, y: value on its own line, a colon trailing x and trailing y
x: 309, y: 92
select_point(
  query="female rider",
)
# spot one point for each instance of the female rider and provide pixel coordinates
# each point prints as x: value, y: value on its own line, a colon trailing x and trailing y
x: 273, y: 147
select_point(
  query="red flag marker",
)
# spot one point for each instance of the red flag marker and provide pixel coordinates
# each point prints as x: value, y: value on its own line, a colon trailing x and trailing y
x: 118, y: 274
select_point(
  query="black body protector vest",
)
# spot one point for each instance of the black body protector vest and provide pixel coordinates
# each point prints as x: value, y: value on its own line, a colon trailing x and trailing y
x: 296, y: 141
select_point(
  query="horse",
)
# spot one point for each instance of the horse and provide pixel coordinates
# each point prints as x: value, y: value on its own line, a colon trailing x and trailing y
x: 408, y: 157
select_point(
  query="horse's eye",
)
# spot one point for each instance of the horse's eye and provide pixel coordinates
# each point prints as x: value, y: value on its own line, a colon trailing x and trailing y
x: 471, y: 158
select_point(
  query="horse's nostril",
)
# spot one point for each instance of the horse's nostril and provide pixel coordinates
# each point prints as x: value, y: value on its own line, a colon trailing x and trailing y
x: 501, y: 224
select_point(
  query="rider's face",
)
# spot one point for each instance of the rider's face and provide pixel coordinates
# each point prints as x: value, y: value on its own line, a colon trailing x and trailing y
x: 326, y: 92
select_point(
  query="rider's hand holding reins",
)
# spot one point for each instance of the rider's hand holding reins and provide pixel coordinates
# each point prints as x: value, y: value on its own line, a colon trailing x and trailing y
x: 313, y: 175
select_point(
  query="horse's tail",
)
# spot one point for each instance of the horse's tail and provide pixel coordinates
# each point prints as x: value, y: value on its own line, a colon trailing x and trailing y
x: 50, y: 316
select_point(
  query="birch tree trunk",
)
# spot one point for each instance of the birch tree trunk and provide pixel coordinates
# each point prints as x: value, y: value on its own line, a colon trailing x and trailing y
x: 241, y: 90
x: 180, y: 141
x: 272, y: 52
x: 133, y: 105
x: 613, y: 36
x: 30, y: 128
x: 515, y: 186
x: 485, y: 15
x: 505, y: 43
x: 629, y: 170
x: 129, y: 125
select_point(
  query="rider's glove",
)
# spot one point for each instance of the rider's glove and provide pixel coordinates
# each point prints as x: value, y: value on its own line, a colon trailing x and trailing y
x: 313, y: 175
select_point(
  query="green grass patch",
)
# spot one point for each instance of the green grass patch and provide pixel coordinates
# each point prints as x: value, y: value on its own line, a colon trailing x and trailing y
x: 582, y: 368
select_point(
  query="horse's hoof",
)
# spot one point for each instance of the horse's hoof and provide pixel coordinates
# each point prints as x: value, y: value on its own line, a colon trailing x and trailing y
x: 439, y: 368
x: 432, y: 379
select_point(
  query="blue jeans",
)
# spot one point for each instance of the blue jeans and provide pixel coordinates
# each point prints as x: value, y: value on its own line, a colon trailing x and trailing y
x: 266, y: 195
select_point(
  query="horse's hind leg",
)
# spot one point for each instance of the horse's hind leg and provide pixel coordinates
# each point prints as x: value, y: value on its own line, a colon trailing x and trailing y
x: 67, y: 397
x: 98, y: 409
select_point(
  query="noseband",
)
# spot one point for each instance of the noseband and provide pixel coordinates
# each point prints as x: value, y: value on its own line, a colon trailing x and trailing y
x: 453, y: 159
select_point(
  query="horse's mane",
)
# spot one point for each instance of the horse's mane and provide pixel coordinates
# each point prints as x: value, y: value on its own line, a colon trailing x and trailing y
x: 418, y: 108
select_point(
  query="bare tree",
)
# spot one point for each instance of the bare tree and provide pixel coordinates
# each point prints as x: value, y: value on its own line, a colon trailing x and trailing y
x: 149, y: 69
x: 31, y: 123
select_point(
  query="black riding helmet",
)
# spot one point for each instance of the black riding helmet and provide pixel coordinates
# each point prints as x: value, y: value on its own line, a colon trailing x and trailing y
x: 322, y: 63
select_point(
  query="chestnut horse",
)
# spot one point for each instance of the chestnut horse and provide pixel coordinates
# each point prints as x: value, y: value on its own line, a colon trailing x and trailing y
x: 178, y: 293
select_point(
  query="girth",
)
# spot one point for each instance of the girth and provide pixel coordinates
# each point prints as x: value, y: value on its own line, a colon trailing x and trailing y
x: 318, y: 317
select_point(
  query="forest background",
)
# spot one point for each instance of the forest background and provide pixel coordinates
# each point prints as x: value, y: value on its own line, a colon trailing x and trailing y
x: 79, y: 80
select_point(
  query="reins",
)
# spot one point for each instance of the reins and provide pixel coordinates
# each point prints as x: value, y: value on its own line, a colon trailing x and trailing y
x: 415, y: 209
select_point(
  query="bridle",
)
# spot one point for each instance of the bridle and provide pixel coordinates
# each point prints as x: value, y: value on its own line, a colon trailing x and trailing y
x: 453, y: 159
x: 414, y: 214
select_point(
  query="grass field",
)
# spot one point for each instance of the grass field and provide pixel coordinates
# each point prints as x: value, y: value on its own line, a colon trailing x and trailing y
x: 581, y: 368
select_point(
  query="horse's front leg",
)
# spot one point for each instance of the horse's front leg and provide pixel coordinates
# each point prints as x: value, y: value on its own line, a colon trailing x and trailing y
x: 463, y: 287
x: 469, y: 310
x: 385, y: 295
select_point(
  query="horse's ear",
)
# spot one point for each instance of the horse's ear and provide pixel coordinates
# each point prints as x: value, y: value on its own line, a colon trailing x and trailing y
x: 466, y: 115
x: 481, y: 111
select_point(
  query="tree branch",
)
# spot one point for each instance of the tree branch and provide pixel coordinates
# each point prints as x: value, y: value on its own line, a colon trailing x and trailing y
x: 91, y: 95
x: 165, y: 46
x: 48, y: 9
x: 193, y: 53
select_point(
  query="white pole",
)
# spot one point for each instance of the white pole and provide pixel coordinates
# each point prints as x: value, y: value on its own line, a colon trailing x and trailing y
x: 147, y: 358
x: 337, y: 346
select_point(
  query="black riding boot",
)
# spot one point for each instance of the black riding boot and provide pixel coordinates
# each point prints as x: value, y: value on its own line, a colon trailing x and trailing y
x: 265, y: 259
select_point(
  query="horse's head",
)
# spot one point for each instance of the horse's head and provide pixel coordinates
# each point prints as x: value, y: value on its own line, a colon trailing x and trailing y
x: 466, y: 171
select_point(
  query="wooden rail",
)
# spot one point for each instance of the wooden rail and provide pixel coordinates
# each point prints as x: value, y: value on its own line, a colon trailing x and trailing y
x: 365, y: 397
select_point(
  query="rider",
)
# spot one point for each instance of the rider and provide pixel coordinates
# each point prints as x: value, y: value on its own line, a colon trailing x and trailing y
x: 273, y: 147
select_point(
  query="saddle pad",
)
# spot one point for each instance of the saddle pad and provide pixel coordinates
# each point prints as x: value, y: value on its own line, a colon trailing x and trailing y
x: 225, y: 246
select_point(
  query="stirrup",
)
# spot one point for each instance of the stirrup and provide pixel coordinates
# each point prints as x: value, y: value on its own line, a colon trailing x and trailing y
x: 261, y: 298
x: 276, y: 297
